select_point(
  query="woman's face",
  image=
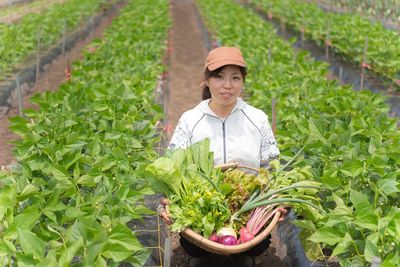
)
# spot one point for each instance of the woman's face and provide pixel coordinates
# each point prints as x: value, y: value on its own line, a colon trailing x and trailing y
x: 226, y: 87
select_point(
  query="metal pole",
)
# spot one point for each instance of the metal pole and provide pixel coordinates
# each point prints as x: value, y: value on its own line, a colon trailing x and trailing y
x: 269, y: 55
x: 274, y: 116
x: 37, y: 57
x: 19, y: 96
x: 363, y: 64
x: 327, y: 42
x: 63, y: 37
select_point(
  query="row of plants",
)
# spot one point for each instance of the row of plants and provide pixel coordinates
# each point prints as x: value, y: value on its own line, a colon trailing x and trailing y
x: 345, y: 33
x: 79, y: 178
x: 387, y: 9
x: 350, y: 142
x: 15, y: 8
x: 20, y: 40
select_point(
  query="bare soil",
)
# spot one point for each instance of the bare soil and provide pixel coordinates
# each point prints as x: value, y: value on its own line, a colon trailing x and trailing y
x: 50, y: 80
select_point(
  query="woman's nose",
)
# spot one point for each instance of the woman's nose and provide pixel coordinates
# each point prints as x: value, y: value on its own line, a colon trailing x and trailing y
x: 228, y: 83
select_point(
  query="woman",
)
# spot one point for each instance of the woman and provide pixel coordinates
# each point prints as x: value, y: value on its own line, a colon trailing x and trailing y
x: 237, y: 131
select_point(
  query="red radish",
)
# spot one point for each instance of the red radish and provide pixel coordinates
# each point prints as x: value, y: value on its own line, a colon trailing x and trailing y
x: 245, y: 235
x: 228, y: 240
x: 214, y: 237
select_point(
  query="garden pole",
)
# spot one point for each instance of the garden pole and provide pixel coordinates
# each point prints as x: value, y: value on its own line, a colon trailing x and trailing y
x: 273, y: 116
x: 327, y: 41
x: 63, y: 38
x: 269, y: 55
x: 283, y: 26
x: 302, y: 37
x: 363, y: 64
x: 19, y: 96
x: 340, y: 74
x: 37, y: 56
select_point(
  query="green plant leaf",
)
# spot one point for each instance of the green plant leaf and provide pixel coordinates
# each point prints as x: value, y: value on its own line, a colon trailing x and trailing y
x: 371, y: 247
x: 31, y: 244
x: 121, y: 243
x: 68, y: 253
x: 326, y: 235
x: 343, y: 245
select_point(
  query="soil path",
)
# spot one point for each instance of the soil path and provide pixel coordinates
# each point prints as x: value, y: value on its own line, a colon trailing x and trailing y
x: 186, y: 61
x: 188, y: 53
x: 50, y: 80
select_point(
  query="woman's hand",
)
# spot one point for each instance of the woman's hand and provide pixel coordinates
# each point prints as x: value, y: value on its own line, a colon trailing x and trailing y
x: 284, y: 212
x: 163, y: 211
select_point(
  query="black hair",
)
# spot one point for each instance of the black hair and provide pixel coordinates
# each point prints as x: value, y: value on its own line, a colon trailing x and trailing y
x: 215, y: 73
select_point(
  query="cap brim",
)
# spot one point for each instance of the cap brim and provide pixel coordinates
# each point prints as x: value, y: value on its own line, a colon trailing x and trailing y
x: 218, y: 64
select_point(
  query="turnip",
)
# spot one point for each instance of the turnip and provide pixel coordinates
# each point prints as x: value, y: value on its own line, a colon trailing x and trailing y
x: 214, y: 237
x: 224, y: 231
x: 228, y: 240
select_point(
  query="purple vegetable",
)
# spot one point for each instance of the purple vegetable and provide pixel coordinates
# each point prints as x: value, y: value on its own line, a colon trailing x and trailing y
x: 228, y: 240
x: 214, y: 237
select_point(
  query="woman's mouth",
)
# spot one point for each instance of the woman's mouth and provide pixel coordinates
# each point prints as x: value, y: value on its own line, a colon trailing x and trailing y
x: 226, y: 95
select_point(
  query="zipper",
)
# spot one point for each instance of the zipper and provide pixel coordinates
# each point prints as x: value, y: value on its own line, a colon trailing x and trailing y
x: 223, y: 131
x: 223, y: 136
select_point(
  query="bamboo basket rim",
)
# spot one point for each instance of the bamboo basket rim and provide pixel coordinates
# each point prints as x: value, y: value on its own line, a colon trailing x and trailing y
x: 218, y: 248
x: 222, y: 249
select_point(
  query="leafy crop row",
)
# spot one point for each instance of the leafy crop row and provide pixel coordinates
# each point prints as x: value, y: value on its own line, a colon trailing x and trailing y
x: 15, y: 8
x: 388, y: 9
x: 19, y: 41
x: 81, y: 155
x: 350, y: 142
x: 345, y: 32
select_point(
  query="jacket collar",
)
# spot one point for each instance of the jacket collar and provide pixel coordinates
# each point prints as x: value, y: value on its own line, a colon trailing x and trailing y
x: 205, y: 108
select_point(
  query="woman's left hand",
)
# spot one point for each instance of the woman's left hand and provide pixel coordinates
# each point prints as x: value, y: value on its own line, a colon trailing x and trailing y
x: 284, y: 212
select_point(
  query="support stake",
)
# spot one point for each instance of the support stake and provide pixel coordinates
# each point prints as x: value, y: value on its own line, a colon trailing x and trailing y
x: 274, y: 116
x: 269, y: 55
x: 19, y: 96
x: 363, y: 64
x: 37, y: 57
x: 340, y: 74
x: 63, y: 37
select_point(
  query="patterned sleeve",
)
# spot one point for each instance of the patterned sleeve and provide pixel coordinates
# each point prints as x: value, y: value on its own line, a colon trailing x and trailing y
x: 269, y: 147
x: 181, y: 136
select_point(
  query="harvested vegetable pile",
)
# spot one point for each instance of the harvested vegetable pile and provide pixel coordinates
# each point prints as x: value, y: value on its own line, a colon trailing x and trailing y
x: 219, y: 205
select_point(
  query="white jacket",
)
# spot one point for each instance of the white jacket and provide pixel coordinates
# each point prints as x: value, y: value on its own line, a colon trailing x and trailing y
x: 244, y: 135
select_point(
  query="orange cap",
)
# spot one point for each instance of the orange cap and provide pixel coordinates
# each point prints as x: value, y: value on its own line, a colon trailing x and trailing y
x: 222, y: 56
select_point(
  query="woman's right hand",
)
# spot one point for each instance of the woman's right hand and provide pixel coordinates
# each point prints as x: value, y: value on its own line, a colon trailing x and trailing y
x: 163, y: 211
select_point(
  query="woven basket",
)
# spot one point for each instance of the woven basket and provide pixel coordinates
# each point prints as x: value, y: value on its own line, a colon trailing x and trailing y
x: 221, y: 249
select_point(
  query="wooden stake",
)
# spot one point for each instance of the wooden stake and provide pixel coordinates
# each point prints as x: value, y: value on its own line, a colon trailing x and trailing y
x: 269, y: 55
x: 37, y: 57
x: 340, y: 74
x: 274, y: 116
x: 327, y: 42
x: 63, y: 37
x: 302, y: 37
x: 283, y: 26
x: 19, y: 97
x: 363, y: 64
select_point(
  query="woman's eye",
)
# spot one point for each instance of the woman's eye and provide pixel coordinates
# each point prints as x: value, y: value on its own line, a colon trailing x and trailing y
x: 220, y: 77
x: 236, y: 78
